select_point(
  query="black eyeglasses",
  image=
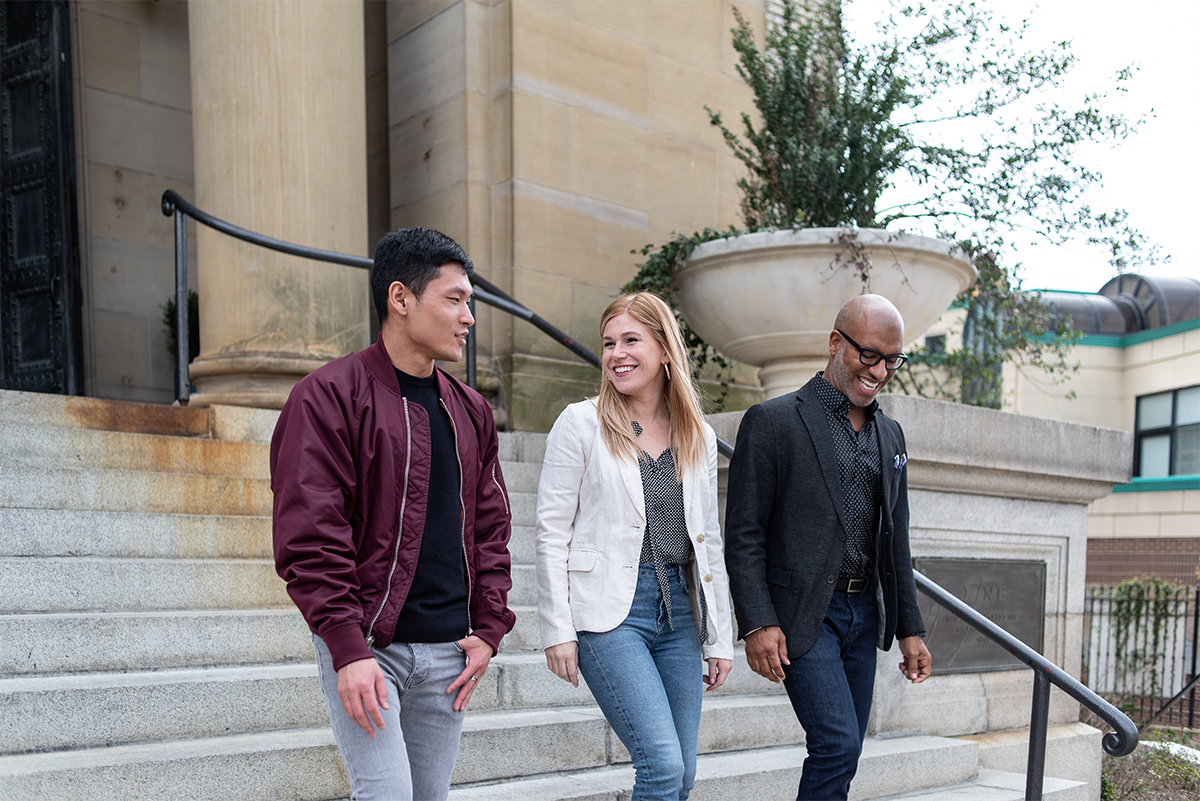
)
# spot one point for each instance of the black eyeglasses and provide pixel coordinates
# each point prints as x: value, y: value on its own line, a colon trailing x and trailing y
x: 891, y: 361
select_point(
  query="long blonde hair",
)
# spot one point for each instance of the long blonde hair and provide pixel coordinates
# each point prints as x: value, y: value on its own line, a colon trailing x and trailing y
x: 683, y: 403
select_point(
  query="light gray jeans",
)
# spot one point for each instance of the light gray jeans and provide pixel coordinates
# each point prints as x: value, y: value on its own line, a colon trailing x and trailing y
x: 413, y: 757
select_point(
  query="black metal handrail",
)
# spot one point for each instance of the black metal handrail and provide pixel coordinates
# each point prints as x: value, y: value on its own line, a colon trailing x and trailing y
x: 485, y: 291
x: 1118, y: 742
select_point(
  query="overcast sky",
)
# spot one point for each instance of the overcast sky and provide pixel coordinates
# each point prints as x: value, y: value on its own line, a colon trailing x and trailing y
x: 1155, y: 174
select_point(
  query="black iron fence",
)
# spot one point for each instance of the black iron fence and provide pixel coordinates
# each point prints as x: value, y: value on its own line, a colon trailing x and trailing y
x: 1139, y: 649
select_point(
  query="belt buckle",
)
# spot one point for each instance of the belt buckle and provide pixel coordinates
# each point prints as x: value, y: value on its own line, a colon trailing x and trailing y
x: 856, y: 585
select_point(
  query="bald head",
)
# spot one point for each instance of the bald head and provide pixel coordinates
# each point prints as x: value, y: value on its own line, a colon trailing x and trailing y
x: 871, y: 311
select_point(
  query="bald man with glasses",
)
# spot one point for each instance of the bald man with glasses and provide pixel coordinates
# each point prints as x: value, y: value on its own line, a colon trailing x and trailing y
x: 816, y: 542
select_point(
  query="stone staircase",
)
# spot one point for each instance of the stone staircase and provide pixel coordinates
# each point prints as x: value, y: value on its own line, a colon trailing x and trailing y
x: 148, y: 651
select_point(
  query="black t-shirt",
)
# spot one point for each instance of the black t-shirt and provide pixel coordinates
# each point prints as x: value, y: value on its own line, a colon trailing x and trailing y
x: 436, y: 607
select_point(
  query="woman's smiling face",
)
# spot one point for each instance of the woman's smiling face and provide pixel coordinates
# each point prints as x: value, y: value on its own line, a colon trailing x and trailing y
x: 632, y: 358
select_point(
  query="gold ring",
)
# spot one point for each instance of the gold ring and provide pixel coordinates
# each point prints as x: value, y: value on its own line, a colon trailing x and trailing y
x: 474, y: 679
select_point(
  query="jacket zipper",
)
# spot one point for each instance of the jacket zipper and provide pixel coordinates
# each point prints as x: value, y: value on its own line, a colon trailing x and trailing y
x: 462, y: 515
x: 387, y: 590
x: 500, y: 489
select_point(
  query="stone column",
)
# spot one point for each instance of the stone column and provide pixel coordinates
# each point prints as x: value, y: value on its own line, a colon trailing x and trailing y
x: 279, y: 120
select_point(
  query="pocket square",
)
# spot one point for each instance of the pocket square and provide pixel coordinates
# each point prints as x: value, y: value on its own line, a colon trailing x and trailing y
x: 900, y: 460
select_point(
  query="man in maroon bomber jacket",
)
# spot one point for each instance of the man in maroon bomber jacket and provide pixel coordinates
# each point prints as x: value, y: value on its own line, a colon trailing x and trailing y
x: 391, y: 526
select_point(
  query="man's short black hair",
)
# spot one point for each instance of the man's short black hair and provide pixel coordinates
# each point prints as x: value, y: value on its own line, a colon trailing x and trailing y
x: 412, y: 256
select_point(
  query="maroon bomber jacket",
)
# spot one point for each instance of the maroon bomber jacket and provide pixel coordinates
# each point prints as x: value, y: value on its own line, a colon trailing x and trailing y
x: 349, y: 464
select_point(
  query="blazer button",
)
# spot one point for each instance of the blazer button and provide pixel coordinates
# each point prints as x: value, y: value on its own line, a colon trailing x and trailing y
x: 841, y: 538
x: 829, y: 580
x: 708, y: 576
x: 700, y: 538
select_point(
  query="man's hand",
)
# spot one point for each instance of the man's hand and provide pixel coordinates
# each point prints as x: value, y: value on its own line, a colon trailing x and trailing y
x: 363, y: 690
x: 563, y: 661
x: 718, y: 671
x: 479, y: 653
x: 917, y: 662
x: 766, y: 651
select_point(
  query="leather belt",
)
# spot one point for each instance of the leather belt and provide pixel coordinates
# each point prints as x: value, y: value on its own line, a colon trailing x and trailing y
x: 850, y: 585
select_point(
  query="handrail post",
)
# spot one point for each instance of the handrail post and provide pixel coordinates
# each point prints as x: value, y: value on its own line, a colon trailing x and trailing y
x: 1039, y: 720
x: 183, y: 349
x: 472, y: 369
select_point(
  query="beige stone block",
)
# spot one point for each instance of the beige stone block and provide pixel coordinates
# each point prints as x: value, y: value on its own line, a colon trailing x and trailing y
x: 379, y: 210
x: 501, y: 49
x: 164, y: 16
x: 609, y: 159
x: 479, y: 133
x: 428, y: 151
x: 1099, y: 526
x: 729, y: 195
x: 1179, y: 526
x: 131, y: 278
x: 537, y: 389
x: 576, y: 63
x: 116, y: 200
x: 502, y: 228
x: 541, y: 141
x: 679, y: 91
x: 678, y: 180
x: 1157, y: 502
x: 122, y: 349
x: 1136, y: 526
x: 550, y: 296
x: 477, y: 31
x: 1191, y: 501
x: 160, y: 229
x: 405, y: 15
x: 446, y: 211
x: 500, y: 141
x: 110, y: 53
x: 479, y: 224
x: 165, y: 69
x: 688, y: 30
x: 1120, y: 503
x: 427, y: 65
x: 129, y: 133
x: 564, y: 234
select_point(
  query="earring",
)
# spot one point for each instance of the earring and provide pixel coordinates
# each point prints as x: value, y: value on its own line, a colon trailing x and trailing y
x: 667, y: 367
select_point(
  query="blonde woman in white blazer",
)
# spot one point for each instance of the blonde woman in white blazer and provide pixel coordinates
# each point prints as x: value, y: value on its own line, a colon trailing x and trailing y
x: 632, y: 590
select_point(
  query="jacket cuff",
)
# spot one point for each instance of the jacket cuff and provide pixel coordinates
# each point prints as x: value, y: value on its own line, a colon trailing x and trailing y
x: 346, y: 644
x: 491, y: 631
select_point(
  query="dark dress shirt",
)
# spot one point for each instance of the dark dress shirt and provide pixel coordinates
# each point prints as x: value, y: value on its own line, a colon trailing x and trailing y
x: 860, y: 472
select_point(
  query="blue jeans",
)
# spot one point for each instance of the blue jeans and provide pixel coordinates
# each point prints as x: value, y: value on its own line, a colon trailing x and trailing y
x: 830, y: 688
x: 647, y: 679
x: 413, y: 757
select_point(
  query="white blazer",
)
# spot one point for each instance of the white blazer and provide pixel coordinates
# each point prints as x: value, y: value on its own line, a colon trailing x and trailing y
x: 591, y: 521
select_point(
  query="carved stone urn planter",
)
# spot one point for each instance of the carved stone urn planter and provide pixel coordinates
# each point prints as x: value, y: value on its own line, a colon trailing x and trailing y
x: 769, y: 299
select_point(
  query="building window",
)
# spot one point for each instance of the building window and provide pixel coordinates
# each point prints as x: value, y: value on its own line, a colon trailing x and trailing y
x: 935, y: 343
x: 1167, y: 434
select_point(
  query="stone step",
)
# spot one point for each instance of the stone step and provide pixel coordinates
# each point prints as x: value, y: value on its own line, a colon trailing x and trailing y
x: 523, y: 545
x: 59, y: 584
x: 526, y: 634
x: 521, y: 477
x: 512, y: 744
x: 131, y: 640
x: 994, y: 785
x: 134, y: 491
x: 522, y: 446
x: 908, y: 765
x: 72, y: 532
x: 43, y: 447
x: 521, y: 680
x: 65, y: 411
x: 46, y: 713
x: 299, y: 764
x: 524, y: 510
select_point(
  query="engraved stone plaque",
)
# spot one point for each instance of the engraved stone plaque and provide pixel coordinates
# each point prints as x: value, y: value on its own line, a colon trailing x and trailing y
x: 1011, y: 593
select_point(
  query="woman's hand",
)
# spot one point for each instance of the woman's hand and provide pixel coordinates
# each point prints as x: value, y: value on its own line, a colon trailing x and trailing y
x: 563, y: 661
x: 718, y: 671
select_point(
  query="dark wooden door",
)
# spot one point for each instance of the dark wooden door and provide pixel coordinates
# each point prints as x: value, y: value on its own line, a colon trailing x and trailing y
x: 39, y: 264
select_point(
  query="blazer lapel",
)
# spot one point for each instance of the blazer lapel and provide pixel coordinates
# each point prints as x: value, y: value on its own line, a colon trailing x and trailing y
x: 631, y: 477
x: 812, y: 413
